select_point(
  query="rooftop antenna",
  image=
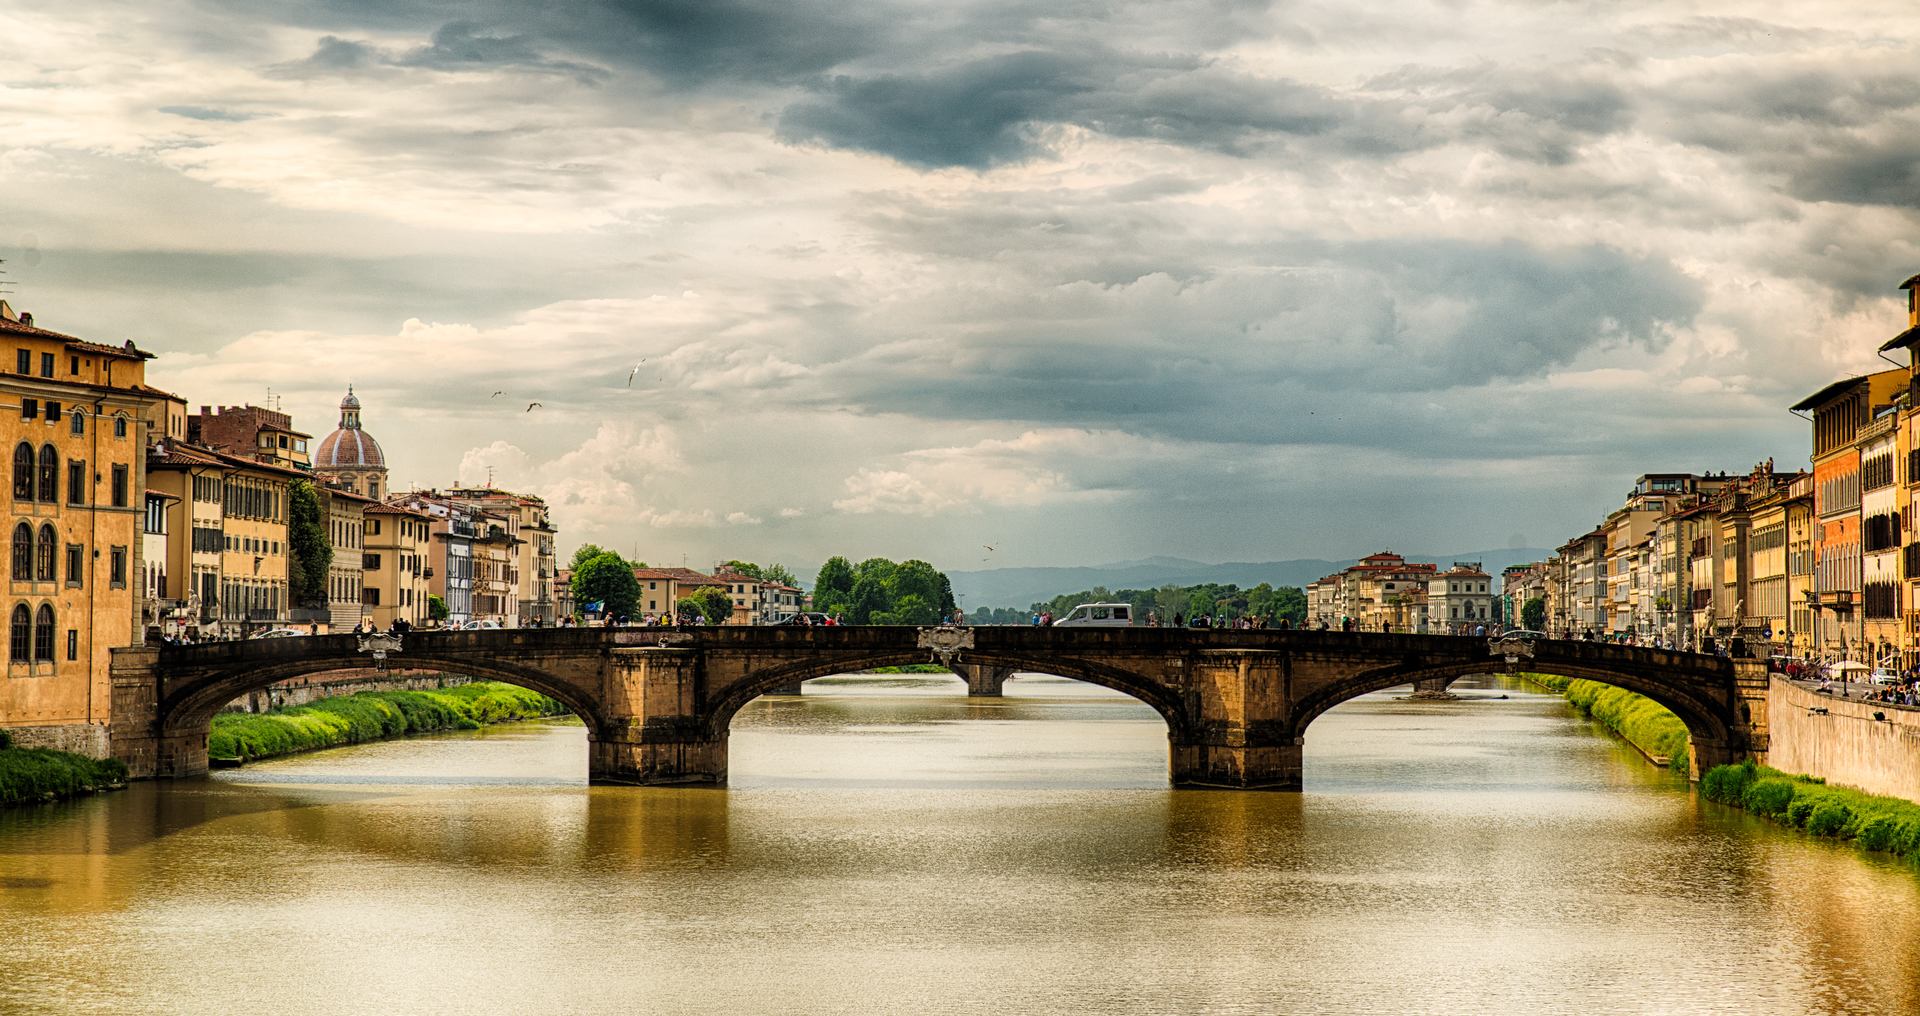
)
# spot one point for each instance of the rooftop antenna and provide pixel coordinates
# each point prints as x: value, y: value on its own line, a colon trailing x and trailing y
x: 489, y: 477
x: 6, y: 285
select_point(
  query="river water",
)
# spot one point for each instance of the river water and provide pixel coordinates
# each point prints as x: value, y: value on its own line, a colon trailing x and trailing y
x: 890, y: 846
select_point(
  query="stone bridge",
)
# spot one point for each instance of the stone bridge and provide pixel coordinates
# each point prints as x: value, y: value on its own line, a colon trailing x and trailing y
x: 657, y: 702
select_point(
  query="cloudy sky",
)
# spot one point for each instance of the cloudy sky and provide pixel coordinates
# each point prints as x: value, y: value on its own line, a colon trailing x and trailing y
x: 1085, y: 281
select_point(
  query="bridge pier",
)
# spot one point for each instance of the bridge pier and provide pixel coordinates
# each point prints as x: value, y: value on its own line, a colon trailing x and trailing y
x: 1435, y: 689
x: 654, y: 731
x: 983, y: 681
x: 1236, y: 767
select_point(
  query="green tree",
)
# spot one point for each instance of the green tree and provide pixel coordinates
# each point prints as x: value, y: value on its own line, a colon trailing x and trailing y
x: 710, y: 602
x: 606, y: 578
x: 908, y: 609
x: 914, y: 578
x: 868, y: 598
x: 833, y: 587
x: 1533, y: 614
x: 747, y: 568
x: 436, y: 607
x: 587, y: 552
x: 311, y: 549
x: 781, y: 574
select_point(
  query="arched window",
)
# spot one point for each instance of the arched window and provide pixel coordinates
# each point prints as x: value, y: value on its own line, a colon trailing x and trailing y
x: 77, y: 423
x: 49, y: 474
x: 20, y: 641
x: 23, y: 472
x: 43, y: 554
x: 23, y: 553
x: 43, y: 633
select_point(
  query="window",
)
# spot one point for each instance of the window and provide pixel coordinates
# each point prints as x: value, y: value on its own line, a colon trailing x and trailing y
x: 23, y: 361
x: 120, y: 486
x: 76, y: 560
x: 46, y: 364
x: 77, y: 423
x: 73, y: 643
x: 20, y: 635
x: 119, y: 426
x: 53, y: 412
x: 76, y: 480
x: 49, y: 474
x: 373, y: 526
x: 156, y: 514
x: 73, y: 365
x: 43, y: 633
x: 23, y: 553
x: 117, y: 570
x: 29, y: 408
x: 370, y: 597
x: 23, y: 472
x: 369, y: 562
x: 43, y: 554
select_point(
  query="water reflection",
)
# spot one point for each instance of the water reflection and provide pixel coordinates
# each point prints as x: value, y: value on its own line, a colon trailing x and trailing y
x: 898, y: 847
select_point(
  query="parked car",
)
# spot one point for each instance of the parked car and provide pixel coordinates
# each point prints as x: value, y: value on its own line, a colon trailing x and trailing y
x: 276, y: 633
x: 484, y: 625
x: 815, y: 617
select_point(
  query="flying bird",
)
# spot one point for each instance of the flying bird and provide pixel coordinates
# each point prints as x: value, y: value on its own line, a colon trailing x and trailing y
x: 630, y: 375
x: 497, y: 394
x: 531, y: 406
x: 988, y: 546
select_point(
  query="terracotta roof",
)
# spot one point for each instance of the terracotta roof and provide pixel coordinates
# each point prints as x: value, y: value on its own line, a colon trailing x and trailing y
x: 348, y: 448
x: 169, y: 495
x: 384, y: 508
x: 127, y: 352
x: 178, y: 455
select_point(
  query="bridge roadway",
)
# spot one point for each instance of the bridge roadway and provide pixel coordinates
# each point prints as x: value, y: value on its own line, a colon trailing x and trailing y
x: 657, y: 702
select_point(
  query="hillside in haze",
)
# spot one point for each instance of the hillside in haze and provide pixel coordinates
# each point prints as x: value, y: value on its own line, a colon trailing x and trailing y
x: 1019, y: 587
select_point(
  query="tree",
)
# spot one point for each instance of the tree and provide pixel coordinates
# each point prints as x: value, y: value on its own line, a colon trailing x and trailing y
x: 1533, y: 614
x: 781, y: 574
x: 436, y: 607
x: 607, y: 579
x: 914, y: 578
x: 747, y: 568
x: 311, y: 549
x: 710, y: 602
x: 869, y: 597
x: 587, y: 552
x: 833, y: 587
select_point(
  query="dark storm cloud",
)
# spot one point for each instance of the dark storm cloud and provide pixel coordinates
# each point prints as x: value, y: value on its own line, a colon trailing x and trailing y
x: 1378, y: 328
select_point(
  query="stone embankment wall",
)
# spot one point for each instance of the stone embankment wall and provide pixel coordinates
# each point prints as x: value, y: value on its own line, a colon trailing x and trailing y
x: 1845, y: 746
x: 89, y: 739
x: 301, y: 690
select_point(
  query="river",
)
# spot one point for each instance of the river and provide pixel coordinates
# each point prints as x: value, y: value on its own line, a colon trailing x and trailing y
x: 890, y: 846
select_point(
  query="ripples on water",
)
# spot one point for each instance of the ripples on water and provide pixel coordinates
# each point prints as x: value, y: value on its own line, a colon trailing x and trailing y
x: 888, y: 845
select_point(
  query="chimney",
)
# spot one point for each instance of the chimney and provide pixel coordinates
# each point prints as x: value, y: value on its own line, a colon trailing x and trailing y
x: 26, y: 318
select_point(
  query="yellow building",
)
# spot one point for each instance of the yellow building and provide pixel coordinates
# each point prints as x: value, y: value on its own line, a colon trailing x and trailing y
x: 534, y: 566
x: 194, y: 480
x: 395, y: 573
x: 253, y: 562
x: 346, y: 526
x: 75, y: 417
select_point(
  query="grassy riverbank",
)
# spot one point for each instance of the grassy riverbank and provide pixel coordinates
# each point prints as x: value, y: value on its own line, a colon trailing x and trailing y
x: 34, y: 775
x: 1636, y: 719
x: 1881, y: 824
x: 372, y: 716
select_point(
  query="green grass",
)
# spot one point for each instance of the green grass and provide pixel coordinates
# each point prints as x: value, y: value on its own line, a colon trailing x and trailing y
x: 1640, y: 720
x: 911, y: 668
x: 371, y: 716
x: 32, y: 775
x: 1887, y: 825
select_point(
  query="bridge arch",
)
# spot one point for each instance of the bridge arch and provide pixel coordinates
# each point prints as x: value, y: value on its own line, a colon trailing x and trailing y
x: 1707, y: 721
x: 190, y: 708
x: 1171, y: 707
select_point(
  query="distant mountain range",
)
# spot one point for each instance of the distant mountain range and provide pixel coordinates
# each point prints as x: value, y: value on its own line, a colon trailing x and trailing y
x: 1019, y: 587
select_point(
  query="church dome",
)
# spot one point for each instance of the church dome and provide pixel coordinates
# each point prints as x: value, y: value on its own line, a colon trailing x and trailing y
x: 349, y: 447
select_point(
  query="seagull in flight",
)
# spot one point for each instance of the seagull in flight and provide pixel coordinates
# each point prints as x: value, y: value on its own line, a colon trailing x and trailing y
x: 497, y: 394
x: 531, y: 406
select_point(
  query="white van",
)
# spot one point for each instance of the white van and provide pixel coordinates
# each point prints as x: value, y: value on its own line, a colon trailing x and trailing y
x: 1104, y: 615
